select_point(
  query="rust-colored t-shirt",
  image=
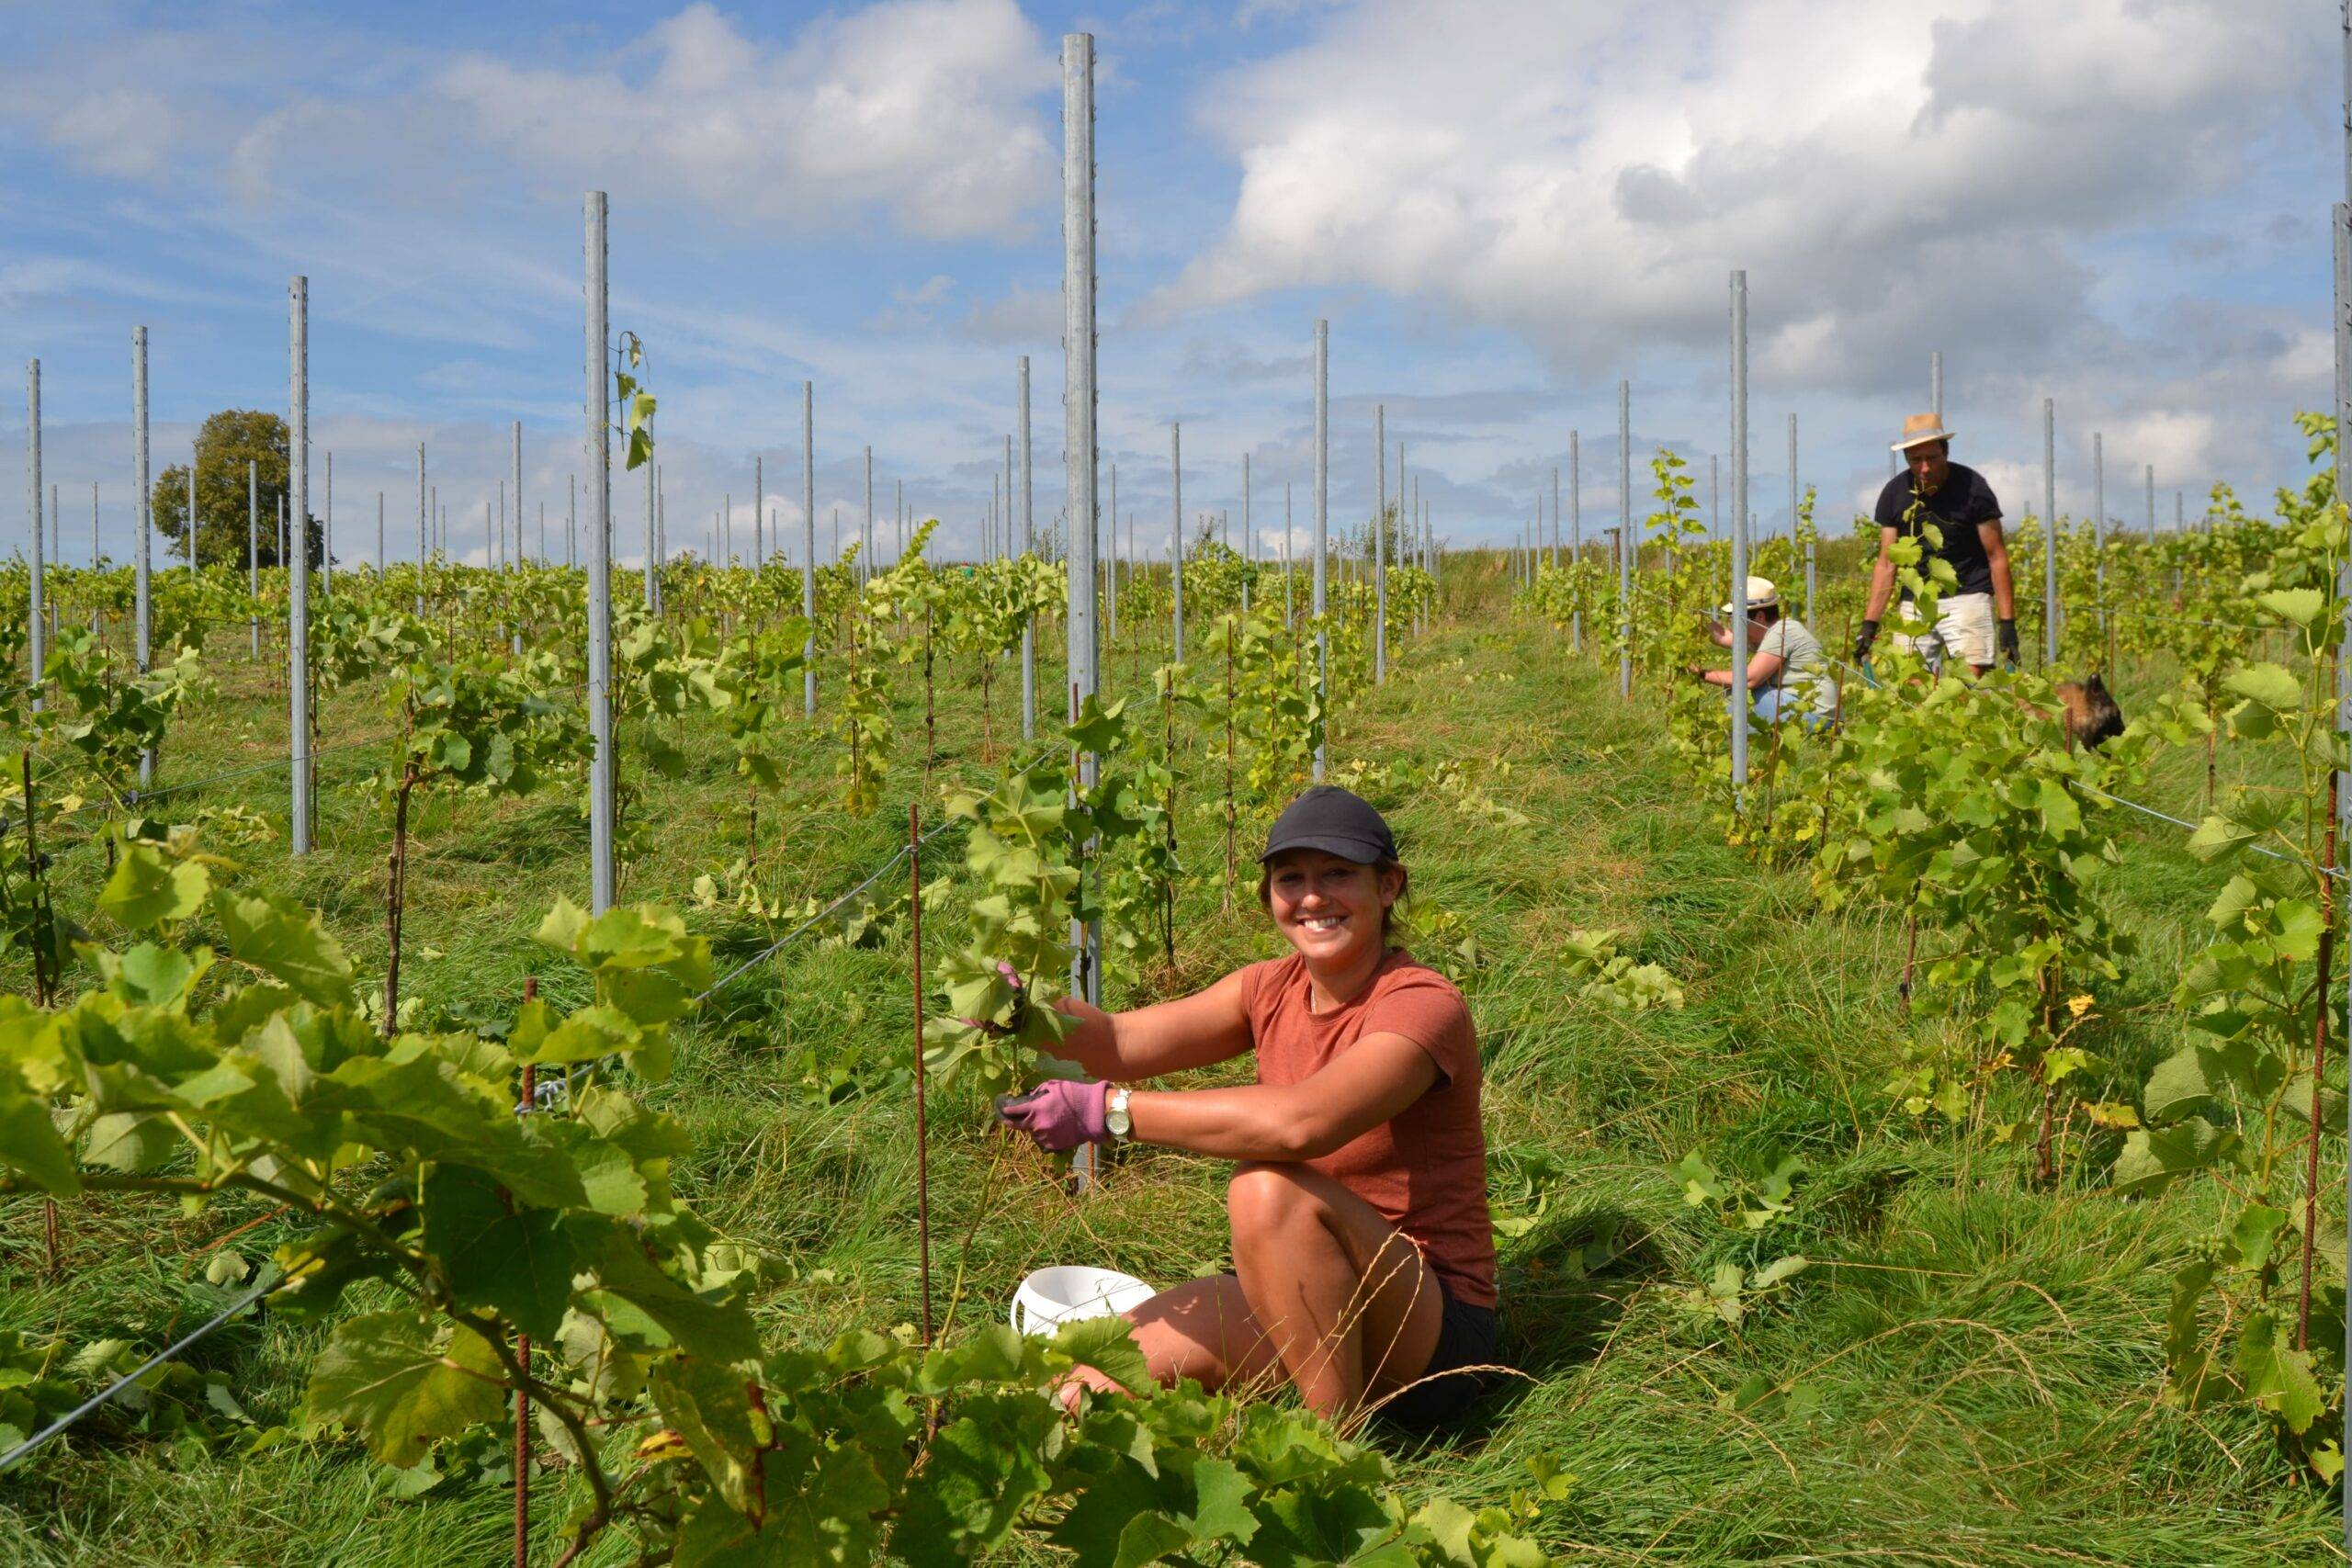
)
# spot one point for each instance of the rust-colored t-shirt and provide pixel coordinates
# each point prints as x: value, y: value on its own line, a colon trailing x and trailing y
x: 1426, y: 1169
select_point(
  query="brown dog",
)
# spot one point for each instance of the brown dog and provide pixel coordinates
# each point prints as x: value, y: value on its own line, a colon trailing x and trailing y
x: 2092, y: 717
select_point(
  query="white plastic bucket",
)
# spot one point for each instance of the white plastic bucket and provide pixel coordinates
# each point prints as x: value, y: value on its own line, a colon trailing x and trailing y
x: 1068, y: 1292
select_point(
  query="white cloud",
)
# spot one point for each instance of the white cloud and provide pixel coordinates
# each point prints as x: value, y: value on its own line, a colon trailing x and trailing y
x: 125, y: 132
x: 1874, y: 167
x: 921, y: 108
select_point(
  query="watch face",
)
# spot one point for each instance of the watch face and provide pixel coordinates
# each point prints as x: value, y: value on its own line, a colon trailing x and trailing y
x: 1114, y: 1115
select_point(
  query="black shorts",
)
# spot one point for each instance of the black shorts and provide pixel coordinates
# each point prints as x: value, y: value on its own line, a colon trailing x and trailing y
x: 1467, y: 1336
x: 1465, y: 1339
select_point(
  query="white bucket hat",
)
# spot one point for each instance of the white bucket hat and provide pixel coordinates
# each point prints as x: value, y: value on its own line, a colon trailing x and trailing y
x: 1761, y: 595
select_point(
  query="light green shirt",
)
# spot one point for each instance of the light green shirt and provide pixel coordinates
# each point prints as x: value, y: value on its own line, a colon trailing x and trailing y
x: 1804, y: 668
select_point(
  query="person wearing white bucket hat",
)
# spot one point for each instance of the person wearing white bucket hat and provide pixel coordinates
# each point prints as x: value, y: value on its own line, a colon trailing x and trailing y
x: 1363, y: 1253
x: 1787, y: 671
x: 1977, y: 622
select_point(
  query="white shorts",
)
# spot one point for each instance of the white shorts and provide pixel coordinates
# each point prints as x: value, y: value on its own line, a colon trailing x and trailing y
x: 1963, y: 631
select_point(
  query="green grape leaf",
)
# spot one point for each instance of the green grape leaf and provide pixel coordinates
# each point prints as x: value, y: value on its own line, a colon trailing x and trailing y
x: 2266, y: 686
x: 384, y: 1376
x: 717, y: 1330
x: 2278, y: 1377
x: 29, y: 1143
x: 589, y: 1034
x: 282, y: 939
x: 517, y: 1263
x: 2189, y: 1082
x: 2153, y: 1157
x: 152, y: 976
x: 1108, y: 1345
x: 1221, y: 1504
x: 710, y: 1407
x: 148, y: 891
x: 2257, y: 1232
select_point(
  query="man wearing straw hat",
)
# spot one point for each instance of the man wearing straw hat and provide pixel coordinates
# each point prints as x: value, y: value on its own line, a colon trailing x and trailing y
x: 1787, y: 670
x: 1977, y: 622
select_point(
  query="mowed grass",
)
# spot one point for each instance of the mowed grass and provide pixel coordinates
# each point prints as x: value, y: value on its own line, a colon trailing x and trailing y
x: 1970, y: 1373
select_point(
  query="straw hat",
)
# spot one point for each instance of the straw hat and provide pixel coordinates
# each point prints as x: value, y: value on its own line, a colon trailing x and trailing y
x: 1922, y: 427
x: 1761, y: 595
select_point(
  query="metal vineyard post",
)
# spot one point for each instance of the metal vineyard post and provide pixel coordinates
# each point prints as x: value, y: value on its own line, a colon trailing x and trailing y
x: 1028, y: 543
x: 1740, y: 695
x: 1176, y: 531
x: 1626, y: 547
x: 1575, y: 537
x: 32, y: 517
x: 1322, y: 526
x: 1078, y: 456
x: 2048, y: 533
x: 298, y: 610
x: 142, y: 516
x: 253, y: 551
x: 601, y: 879
x: 1812, y: 554
x: 1379, y: 539
x: 424, y: 531
x: 809, y: 545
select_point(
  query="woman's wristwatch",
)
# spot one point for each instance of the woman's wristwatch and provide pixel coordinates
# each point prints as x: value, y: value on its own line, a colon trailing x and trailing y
x: 1115, y: 1113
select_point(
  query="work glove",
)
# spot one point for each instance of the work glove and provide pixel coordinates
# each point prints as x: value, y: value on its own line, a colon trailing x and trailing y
x: 2006, y: 639
x: 1863, y: 639
x: 1059, y: 1114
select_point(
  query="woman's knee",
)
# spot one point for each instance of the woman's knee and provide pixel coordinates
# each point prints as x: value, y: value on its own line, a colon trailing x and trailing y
x: 1267, y: 1197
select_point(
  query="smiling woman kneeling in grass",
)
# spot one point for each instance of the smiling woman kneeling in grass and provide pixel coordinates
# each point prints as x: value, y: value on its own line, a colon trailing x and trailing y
x: 1364, y: 1258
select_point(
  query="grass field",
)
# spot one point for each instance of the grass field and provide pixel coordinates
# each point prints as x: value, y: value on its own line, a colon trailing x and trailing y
x: 1970, y: 1372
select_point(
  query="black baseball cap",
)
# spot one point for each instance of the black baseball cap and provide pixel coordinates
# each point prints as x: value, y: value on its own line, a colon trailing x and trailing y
x: 1335, y: 820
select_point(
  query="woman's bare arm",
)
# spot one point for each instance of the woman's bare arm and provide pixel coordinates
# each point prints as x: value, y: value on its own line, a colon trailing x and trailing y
x: 1208, y: 1027
x: 1371, y: 1082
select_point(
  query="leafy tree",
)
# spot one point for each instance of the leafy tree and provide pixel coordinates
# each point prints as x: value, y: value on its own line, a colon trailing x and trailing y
x: 229, y: 441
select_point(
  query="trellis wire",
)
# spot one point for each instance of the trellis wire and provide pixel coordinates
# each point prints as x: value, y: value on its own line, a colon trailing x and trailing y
x: 113, y: 1389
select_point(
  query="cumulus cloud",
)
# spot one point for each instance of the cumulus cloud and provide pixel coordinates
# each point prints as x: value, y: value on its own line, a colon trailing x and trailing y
x: 921, y: 109
x: 1870, y: 165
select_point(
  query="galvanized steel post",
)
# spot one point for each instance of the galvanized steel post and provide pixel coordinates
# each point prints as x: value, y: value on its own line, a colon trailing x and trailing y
x: 1739, y: 692
x: 1796, y: 505
x: 424, y: 530
x: 1322, y: 535
x: 252, y: 552
x: 1575, y: 537
x: 1176, y: 532
x: 1078, y: 453
x: 1379, y: 538
x: 2098, y: 524
x: 808, y: 546
x: 1625, y: 544
x: 1028, y: 544
x: 297, y: 595
x: 32, y: 517
x: 142, y: 518
x: 2049, y: 621
x: 602, y: 878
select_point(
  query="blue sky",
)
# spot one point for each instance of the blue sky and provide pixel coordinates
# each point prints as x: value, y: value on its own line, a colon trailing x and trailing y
x: 1501, y: 209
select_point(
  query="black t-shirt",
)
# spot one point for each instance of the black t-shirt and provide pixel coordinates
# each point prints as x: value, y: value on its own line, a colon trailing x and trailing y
x: 1960, y: 505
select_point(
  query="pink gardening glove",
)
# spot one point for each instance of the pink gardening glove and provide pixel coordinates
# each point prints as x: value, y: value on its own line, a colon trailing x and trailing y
x: 1059, y: 1113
